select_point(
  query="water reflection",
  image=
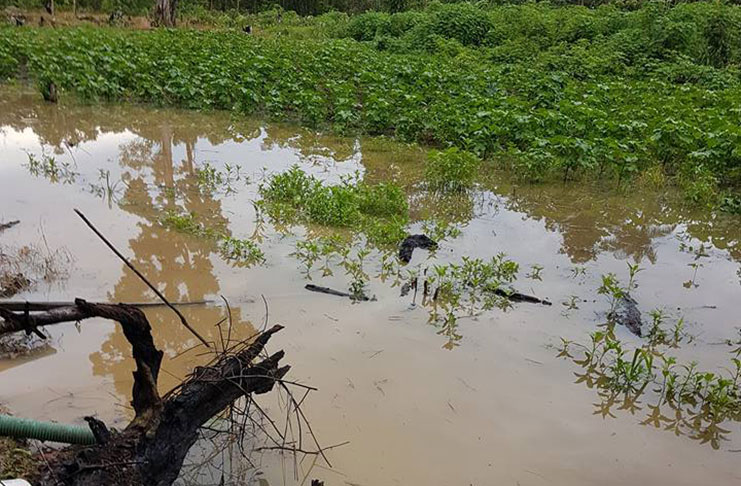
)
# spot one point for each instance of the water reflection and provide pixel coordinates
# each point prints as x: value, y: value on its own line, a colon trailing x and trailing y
x: 179, y: 265
x: 590, y: 222
x: 155, y: 171
x: 674, y: 398
x: 627, y: 224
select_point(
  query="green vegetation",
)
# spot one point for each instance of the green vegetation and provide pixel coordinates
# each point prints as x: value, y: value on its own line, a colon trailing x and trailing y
x: 381, y: 208
x: 547, y: 91
x: 48, y: 167
x: 455, y: 290
x: 241, y: 253
x: 451, y: 170
x: 212, y: 180
x: 623, y: 378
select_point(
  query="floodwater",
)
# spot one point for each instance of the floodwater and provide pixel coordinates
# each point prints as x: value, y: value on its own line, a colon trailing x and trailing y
x: 487, y: 403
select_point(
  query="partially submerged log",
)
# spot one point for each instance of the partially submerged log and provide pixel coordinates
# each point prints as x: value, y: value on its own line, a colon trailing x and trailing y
x: 151, y: 449
x: 338, y: 293
x: 515, y: 296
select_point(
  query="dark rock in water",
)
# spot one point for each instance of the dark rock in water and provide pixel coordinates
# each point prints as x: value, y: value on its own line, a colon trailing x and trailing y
x: 627, y: 314
x: 415, y: 241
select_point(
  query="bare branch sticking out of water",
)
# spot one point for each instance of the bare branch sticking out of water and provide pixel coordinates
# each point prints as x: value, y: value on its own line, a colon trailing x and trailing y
x: 152, y: 448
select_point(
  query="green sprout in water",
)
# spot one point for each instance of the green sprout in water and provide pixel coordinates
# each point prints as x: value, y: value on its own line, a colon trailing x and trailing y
x: 242, y: 252
x: 535, y: 272
x: 700, y: 400
x: 49, y: 168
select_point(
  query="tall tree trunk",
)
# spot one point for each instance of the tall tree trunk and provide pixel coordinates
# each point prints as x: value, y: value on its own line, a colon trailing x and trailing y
x: 164, y: 13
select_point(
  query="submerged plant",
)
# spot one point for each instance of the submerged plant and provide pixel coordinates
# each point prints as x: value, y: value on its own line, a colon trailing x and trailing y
x: 242, y: 252
x: 535, y: 272
x: 53, y: 170
x: 210, y: 179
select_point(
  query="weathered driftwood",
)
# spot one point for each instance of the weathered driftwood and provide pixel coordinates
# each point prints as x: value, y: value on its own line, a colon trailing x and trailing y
x: 151, y: 449
x: 338, y: 293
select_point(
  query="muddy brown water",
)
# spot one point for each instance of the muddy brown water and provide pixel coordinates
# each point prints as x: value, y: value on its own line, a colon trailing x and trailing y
x: 494, y: 406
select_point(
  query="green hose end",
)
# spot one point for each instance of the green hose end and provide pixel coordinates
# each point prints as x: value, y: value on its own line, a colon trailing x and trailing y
x: 21, y: 428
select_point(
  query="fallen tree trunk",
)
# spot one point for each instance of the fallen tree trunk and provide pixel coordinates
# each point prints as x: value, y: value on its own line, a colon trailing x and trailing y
x: 22, y: 306
x: 152, y: 448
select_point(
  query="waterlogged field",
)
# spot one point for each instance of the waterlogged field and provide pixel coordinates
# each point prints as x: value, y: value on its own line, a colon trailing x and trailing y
x: 645, y: 95
x: 450, y: 383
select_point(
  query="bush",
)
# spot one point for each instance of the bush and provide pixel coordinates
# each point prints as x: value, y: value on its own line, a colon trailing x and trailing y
x: 451, y: 170
x: 344, y: 204
x: 365, y: 27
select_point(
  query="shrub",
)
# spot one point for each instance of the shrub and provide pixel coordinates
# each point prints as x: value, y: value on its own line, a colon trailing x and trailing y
x: 336, y: 205
x: 365, y: 27
x: 451, y: 170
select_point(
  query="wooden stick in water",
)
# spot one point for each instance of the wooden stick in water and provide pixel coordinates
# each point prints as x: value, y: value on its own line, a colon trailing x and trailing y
x: 138, y: 274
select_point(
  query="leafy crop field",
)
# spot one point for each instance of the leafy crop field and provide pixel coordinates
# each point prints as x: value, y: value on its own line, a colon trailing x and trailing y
x: 651, y: 95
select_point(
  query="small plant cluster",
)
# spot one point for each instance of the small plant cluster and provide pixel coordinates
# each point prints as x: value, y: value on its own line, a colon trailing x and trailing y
x: 451, y: 170
x: 211, y: 180
x: 243, y: 252
x: 381, y: 210
x: 238, y: 251
x: 105, y: 188
x: 48, y: 167
x: 464, y: 289
x: 333, y: 251
x: 614, y: 291
x: 699, y: 401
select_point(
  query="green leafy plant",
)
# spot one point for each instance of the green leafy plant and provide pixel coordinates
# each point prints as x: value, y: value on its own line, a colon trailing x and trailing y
x: 451, y: 170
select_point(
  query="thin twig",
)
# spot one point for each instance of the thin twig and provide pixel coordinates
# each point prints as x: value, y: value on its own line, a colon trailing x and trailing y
x: 138, y: 274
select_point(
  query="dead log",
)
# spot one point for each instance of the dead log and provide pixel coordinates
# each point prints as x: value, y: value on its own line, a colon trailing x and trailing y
x: 338, y: 293
x: 151, y: 449
x: 17, y: 305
